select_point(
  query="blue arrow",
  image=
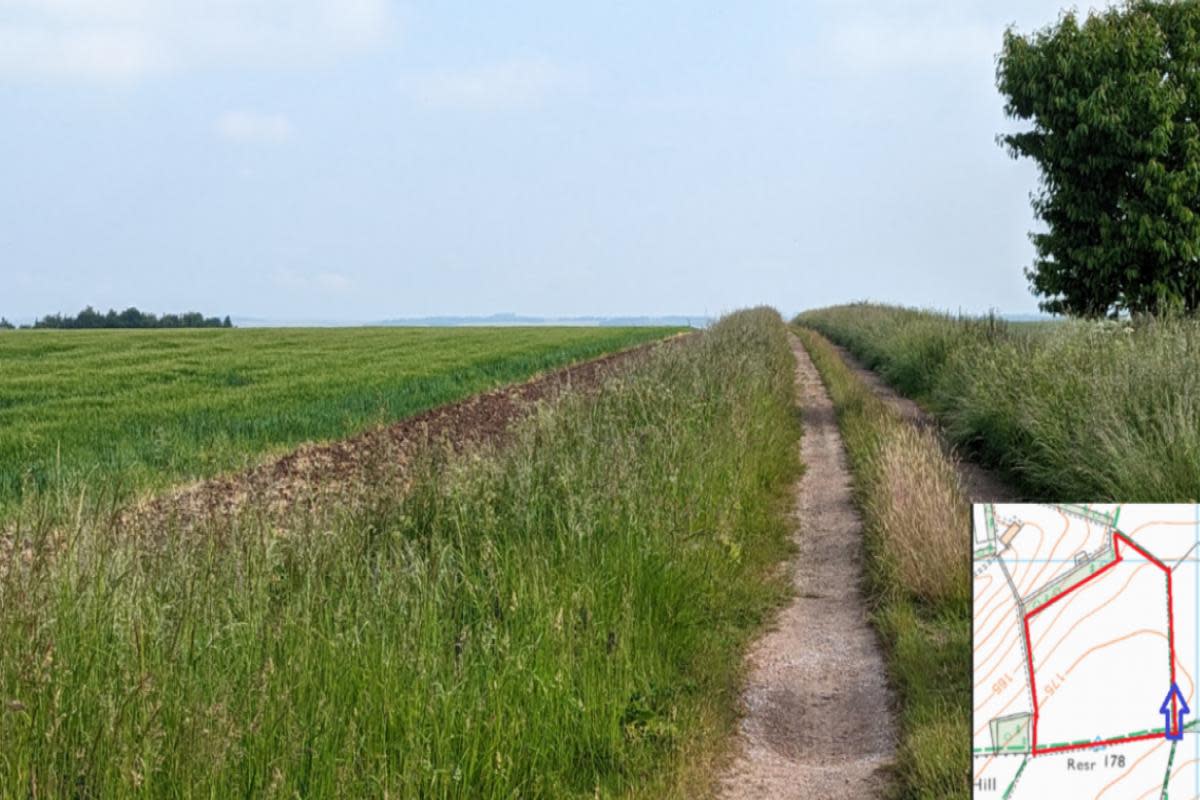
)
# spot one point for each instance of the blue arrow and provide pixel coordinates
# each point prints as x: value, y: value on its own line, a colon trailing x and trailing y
x: 1167, y: 712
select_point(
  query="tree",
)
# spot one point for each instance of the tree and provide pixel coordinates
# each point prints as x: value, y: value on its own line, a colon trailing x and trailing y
x: 130, y: 318
x: 5, y: 325
x: 88, y: 318
x: 1114, y: 102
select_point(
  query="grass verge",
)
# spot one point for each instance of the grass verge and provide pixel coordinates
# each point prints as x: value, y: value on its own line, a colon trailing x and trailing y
x: 917, y: 526
x: 563, y: 617
x: 1077, y: 410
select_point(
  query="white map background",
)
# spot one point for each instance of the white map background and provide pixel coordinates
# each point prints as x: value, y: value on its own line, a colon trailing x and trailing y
x: 1085, y: 588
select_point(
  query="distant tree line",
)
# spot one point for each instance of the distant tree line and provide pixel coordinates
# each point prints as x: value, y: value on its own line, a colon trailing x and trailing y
x: 129, y: 318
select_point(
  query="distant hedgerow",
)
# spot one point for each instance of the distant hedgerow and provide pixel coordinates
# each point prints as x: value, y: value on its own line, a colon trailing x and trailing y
x: 90, y: 318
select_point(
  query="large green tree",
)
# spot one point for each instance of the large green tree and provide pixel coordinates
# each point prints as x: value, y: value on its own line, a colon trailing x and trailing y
x: 1114, y: 105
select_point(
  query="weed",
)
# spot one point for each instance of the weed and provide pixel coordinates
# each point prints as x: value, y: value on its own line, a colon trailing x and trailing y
x: 917, y: 524
x: 1080, y: 410
x: 564, y: 616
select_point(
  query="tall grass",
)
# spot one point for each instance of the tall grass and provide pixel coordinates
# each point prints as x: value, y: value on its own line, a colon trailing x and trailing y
x: 144, y: 409
x: 917, y: 525
x: 1079, y: 410
x: 563, y: 617
x: 908, y: 347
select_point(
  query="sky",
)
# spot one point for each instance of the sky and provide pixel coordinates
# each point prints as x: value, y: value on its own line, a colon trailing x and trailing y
x: 369, y: 159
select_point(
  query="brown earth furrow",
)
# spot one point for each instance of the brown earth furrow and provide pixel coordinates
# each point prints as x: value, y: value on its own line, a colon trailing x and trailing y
x: 346, y: 469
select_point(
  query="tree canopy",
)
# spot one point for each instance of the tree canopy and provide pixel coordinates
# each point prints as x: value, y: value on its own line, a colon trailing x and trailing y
x: 1114, y: 105
x: 131, y: 318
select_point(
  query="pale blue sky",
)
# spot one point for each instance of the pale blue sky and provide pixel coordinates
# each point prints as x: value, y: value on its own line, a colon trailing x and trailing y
x: 363, y: 159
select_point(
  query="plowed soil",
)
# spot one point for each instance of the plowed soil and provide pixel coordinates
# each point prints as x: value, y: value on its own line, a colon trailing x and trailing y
x: 343, y: 470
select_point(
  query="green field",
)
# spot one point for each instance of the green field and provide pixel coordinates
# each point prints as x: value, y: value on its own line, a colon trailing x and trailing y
x: 141, y: 409
x: 562, y: 616
x: 1102, y: 411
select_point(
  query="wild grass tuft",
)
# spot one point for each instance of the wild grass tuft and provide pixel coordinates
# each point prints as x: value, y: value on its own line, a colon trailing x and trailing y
x: 908, y: 347
x: 918, y: 526
x: 919, y: 505
x: 1084, y: 410
x: 563, y: 617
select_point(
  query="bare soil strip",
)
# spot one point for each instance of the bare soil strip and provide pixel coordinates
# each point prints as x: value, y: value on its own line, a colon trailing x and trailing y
x: 981, y: 485
x: 819, y: 720
x: 342, y: 470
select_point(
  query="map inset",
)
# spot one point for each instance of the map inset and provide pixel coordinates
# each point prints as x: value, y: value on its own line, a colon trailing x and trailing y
x: 1086, y: 645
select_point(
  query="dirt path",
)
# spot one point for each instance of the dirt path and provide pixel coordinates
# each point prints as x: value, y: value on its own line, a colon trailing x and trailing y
x: 981, y: 485
x: 819, y: 720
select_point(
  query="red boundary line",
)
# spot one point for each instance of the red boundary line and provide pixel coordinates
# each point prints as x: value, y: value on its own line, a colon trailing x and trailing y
x: 1117, y: 558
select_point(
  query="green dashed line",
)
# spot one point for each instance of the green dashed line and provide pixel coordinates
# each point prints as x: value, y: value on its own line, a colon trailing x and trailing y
x: 1170, y: 624
x: 1167, y: 776
x: 1074, y: 576
x: 1109, y: 521
x: 1008, y: 792
x: 989, y: 522
x: 1087, y: 513
x: 992, y: 750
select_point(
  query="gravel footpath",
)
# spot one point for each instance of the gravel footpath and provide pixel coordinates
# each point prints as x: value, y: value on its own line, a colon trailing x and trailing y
x: 818, y: 711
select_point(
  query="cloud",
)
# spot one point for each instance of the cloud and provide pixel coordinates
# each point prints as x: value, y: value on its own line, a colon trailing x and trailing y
x: 870, y: 36
x: 332, y: 281
x: 874, y: 45
x: 325, y: 282
x: 516, y: 83
x: 123, y: 40
x: 104, y: 55
x: 250, y: 127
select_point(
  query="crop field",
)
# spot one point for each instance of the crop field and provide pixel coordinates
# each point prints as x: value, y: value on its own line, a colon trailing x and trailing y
x: 560, y: 615
x: 563, y: 610
x: 133, y: 410
x: 1075, y: 409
